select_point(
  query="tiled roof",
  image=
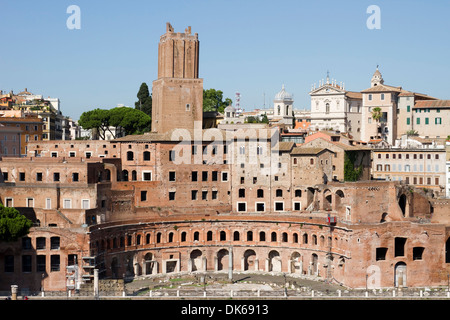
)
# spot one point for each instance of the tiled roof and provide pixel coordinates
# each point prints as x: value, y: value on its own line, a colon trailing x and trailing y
x: 383, y: 88
x: 432, y: 104
x: 305, y: 150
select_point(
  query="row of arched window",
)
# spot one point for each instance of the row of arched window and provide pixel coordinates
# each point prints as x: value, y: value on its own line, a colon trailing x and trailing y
x: 262, y: 236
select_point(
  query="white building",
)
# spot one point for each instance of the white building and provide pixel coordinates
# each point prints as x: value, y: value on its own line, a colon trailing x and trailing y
x: 282, y: 107
x: 334, y: 108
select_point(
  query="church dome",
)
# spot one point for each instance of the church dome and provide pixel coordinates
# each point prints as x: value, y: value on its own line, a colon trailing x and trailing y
x: 283, y: 95
x: 230, y: 109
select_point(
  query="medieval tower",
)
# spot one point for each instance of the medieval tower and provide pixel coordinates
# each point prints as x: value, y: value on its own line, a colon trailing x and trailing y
x: 178, y: 91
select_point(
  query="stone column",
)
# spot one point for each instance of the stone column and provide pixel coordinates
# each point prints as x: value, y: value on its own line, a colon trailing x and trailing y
x: 14, y: 290
x: 96, y: 282
x: 256, y: 264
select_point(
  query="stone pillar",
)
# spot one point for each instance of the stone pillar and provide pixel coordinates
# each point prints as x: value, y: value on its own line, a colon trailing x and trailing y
x: 179, y: 265
x: 136, y: 269
x: 144, y: 267
x: 230, y: 264
x: 242, y: 263
x: 267, y: 265
x: 289, y: 267
x: 216, y: 264
x: 96, y: 282
x: 190, y: 265
x: 14, y: 290
x: 204, y: 263
x: 256, y: 264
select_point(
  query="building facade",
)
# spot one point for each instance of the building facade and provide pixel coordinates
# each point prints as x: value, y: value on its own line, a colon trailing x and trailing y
x: 204, y: 200
x: 334, y: 108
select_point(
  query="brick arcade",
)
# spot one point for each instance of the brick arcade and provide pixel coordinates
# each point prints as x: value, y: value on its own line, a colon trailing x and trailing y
x: 127, y: 208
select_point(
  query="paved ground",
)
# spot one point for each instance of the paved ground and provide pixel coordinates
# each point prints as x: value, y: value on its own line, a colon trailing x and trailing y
x: 241, y: 281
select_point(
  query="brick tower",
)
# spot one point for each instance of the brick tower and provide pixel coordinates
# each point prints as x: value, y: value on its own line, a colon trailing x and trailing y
x: 178, y: 91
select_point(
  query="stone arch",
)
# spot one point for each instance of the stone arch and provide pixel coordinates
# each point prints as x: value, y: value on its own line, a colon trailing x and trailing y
x: 274, y: 261
x: 339, y: 198
x: 314, y: 263
x: 223, y: 256
x: 196, y: 259
x: 296, y: 265
x: 249, y: 260
x: 327, y: 200
x: 400, y: 274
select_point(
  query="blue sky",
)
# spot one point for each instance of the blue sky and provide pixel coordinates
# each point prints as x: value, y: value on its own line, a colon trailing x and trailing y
x: 246, y: 46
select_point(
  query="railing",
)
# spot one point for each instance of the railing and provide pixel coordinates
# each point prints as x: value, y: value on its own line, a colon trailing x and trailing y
x: 201, y: 293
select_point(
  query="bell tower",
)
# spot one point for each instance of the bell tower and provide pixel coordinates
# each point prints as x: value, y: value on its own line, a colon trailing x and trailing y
x: 178, y: 91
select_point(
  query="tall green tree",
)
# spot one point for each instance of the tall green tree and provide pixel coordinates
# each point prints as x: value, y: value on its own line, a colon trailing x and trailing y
x: 13, y: 225
x: 131, y: 120
x: 376, y: 115
x: 145, y: 100
x: 213, y: 100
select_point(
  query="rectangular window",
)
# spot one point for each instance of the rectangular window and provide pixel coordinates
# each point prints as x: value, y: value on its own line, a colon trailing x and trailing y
x: 85, y: 204
x: 67, y: 204
x: 40, y: 263
x: 146, y: 176
x: 427, y: 121
x: 22, y: 176
x: 56, y: 176
x: 260, y: 206
x: 172, y: 176
x: 26, y: 263
x: 408, y: 108
x: 204, y: 175
x: 408, y: 121
x: 55, y: 263
x: 194, y: 194
x: 381, y: 253
x: 242, y: 206
x: 399, y: 247
x: 204, y: 195
x: 438, y: 121
x: 418, y: 121
x: 75, y: 177
x: 214, y: 176
x: 39, y: 176
x: 214, y: 195
x: 297, y: 206
x: 48, y: 203
x: 279, y: 206
x: 194, y: 176
x: 382, y: 96
x: 370, y: 97
x: 143, y: 195
x: 224, y: 176
x: 172, y: 195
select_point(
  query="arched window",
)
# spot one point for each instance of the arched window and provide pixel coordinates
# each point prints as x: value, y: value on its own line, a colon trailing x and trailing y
x: 279, y: 193
x: 130, y: 155
x: 327, y: 108
x: 305, y: 238
x: 279, y: 110
x: 209, y: 236
x: 260, y: 193
x: 236, y: 236
x: 273, y: 237
x: 223, y: 236
x: 249, y: 236
x: 262, y: 236
x: 170, y: 237
x: 146, y: 156
x: 196, y: 236
x: 147, y: 238
x: 183, y: 236
x: 284, y: 237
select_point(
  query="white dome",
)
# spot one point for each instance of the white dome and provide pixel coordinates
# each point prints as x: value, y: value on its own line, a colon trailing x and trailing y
x: 230, y: 109
x: 283, y: 95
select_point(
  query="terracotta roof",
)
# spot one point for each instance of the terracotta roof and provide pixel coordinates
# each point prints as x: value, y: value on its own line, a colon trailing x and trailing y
x: 432, y: 104
x: 353, y: 94
x: 418, y: 96
x: 306, y: 150
x: 383, y: 88
x: 285, y: 145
